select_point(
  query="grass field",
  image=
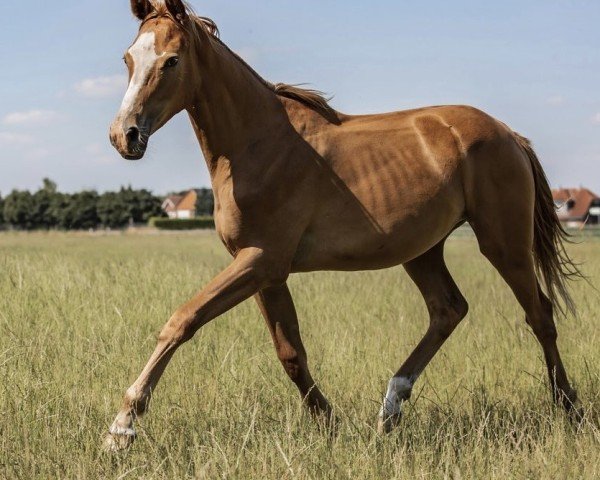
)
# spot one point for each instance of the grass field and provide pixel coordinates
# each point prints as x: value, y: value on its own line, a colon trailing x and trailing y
x: 79, y: 315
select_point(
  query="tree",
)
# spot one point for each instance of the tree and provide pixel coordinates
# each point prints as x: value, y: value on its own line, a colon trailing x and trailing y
x: 148, y: 206
x: 1, y: 211
x: 49, y: 186
x: 117, y: 209
x: 18, y: 207
x: 205, y: 202
x: 59, y: 210
x: 42, y: 213
x: 49, y: 208
x: 113, y: 211
x: 85, y: 214
x: 78, y: 211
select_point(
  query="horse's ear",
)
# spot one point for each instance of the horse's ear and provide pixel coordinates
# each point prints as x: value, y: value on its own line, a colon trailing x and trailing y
x: 177, y: 9
x: 141, y: 8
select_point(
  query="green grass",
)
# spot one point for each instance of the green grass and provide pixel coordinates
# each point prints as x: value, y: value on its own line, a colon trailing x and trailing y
x: 79, y: 315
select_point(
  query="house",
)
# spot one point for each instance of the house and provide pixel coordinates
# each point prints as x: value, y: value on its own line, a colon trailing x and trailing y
x: 169, y: 205
x: 577, y: 206
x: 185, y: 204
x: 181, y: 206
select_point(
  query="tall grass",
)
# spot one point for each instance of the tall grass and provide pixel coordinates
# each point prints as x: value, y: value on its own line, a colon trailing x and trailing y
x: 79, y: 317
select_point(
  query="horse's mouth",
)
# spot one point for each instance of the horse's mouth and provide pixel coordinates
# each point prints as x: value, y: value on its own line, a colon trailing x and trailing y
x: 133, y: 156
x: 135, y: 151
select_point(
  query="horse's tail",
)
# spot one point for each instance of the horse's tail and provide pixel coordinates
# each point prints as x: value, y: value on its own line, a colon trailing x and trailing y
x: 552, y: 261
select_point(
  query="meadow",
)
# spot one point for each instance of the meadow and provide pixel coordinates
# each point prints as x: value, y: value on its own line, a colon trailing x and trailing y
x: 79, y: 315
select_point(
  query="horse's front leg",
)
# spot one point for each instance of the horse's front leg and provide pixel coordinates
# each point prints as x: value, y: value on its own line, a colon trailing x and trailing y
x: 277, y: 307
x: 245, y: 276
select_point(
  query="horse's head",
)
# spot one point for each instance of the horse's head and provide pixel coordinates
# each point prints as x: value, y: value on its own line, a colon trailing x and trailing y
x: 159, y: 62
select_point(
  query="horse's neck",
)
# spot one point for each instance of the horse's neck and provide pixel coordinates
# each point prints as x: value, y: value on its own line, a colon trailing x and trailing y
x: 231, y: 108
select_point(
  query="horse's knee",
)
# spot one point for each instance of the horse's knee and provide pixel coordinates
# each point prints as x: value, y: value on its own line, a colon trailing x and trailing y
x: 293, y: 362
x: 446, y: 316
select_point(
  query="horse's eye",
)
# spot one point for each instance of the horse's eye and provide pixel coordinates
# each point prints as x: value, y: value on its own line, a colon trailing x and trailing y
x: 171, y: 62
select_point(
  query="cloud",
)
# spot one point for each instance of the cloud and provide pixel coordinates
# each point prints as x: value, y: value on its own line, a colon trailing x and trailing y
x: 101, y: 154
x: 10, y: 139
x: 555, y: 100
x: 102, y: 87
x: 596, y: 119
x: 38, y: 153
x: 31, y: 117
x: 94, y: 149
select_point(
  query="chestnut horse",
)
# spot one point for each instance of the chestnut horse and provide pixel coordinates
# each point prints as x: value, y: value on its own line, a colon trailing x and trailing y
x: 301, y: 187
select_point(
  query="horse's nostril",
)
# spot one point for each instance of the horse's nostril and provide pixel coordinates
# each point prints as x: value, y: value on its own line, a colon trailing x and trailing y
x: 132, y: 135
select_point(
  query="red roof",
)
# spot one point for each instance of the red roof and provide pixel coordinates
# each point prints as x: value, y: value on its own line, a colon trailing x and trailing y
x: 171, y: 202
x: 580, y: 200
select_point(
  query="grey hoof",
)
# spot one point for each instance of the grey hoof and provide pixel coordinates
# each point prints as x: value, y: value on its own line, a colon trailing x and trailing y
x: 387, y: 424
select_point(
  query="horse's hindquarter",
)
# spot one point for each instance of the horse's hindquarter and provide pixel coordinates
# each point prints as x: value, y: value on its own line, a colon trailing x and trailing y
x: 391, y: 189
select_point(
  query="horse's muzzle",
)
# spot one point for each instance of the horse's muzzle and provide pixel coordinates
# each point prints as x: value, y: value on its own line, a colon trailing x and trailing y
x: 130, y: 141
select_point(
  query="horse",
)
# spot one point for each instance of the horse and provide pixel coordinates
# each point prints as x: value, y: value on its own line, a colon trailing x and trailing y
x: 301, y: 187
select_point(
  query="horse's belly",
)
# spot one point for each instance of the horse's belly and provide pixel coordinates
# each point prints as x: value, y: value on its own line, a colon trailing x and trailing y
x: 365, y: 243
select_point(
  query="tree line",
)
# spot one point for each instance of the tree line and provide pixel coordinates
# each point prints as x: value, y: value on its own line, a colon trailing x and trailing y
x: 48, y: 208
x: 205, y: 202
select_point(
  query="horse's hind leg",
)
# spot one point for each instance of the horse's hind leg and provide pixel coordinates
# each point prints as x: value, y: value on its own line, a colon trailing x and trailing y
x: 446, y: 306
x: 277, y: 307
x: 503, y: 184
x: 511, y: 255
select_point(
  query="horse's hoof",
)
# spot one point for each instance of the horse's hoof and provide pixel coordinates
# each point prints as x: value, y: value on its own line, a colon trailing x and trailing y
x: 576, y: 413
x: 117, y: 440
x: 330, y: 426
x: 387, y: 424
x: 574, y: 408
x: 577, y: 416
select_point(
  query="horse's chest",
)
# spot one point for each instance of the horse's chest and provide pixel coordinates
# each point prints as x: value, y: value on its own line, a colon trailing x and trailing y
x: 245, y: 210
x: 228, y: 223
x: 237, y: 222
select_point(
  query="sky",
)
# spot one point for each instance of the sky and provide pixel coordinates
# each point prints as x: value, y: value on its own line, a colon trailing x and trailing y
x: 533, y: 64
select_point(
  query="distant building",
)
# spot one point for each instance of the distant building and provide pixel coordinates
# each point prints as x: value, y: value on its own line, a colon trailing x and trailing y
x: 577, y: 206
x: 169, y: 205
x: 184, y: 205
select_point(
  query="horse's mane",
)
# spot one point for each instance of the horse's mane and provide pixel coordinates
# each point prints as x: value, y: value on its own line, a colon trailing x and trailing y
x: 313, y: 99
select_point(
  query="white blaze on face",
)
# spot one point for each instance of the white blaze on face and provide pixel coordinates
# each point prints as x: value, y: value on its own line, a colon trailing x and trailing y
x: 399, y: 389
x: 143, y: 53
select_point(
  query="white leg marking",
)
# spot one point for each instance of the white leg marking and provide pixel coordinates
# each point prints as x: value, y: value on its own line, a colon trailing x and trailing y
x: 399, y: 389
x: 116, y: 429
x: 119, y: 438
x: 123, y: 424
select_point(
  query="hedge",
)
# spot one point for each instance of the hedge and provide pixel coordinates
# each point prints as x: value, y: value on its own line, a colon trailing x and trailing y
x: 182, y: 223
